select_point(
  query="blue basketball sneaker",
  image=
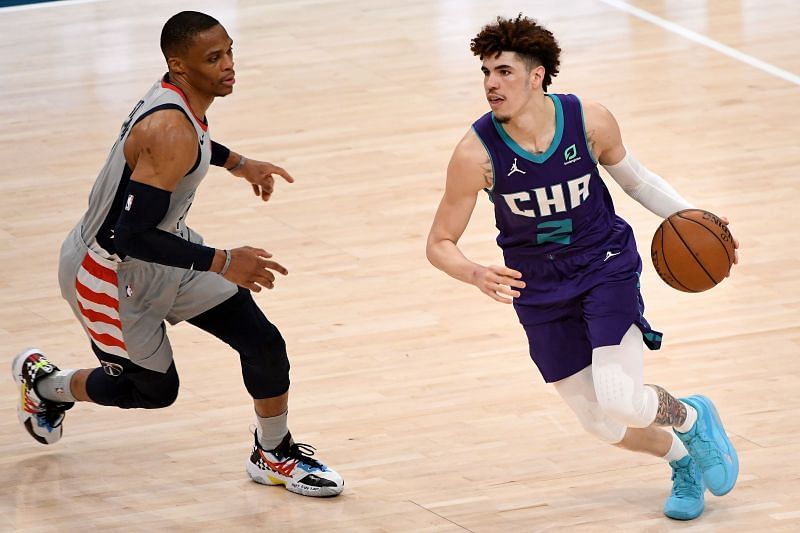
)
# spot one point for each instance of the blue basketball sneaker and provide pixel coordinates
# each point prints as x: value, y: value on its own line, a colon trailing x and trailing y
x: 710, y: 447
x: 686, y: 501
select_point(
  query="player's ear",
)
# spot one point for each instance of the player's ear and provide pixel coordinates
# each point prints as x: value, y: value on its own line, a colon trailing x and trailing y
x: 537, y: 77
x: 176, y: 65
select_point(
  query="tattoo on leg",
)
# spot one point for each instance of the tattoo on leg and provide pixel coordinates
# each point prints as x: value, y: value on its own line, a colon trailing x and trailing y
x: 671, y: 412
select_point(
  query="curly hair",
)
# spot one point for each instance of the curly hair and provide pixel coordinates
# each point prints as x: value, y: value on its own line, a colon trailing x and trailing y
x: 532, y: 42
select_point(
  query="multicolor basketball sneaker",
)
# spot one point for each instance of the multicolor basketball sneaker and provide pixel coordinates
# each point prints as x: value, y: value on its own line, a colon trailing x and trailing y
x: 291, y: 465
x: 42, y: 418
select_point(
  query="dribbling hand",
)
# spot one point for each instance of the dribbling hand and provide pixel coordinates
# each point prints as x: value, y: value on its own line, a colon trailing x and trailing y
x: 725, y: 221
x: 498, y: 282
x: 252, y: 268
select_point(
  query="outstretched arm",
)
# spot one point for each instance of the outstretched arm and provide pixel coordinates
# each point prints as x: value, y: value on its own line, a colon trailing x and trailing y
x: 161, y: 149
x: 260, y: 174
x: 469, y: 171
x: 641, y: 184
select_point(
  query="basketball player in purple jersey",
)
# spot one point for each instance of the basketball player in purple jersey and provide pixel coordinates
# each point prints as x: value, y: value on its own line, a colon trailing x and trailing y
x: 571, y: 264
x: 132, y: 262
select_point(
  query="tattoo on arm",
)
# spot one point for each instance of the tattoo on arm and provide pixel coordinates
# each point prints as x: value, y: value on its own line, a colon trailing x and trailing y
x: 671, y: 412
x: 590, y: 139
x: 488, y: 175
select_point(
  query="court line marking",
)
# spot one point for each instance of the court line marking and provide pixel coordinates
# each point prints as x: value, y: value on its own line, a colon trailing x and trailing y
x: 40, y: 5
x: 705, y: 41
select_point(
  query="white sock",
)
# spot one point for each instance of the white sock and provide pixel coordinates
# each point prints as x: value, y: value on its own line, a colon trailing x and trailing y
x: 56, y: 387
x: 691, y: 418
x: 677, y: 451
x: 272, y: 430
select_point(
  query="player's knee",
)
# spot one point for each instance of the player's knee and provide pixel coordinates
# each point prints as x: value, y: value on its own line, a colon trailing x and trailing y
x: 624, y: 409
x: 157, y: 390
x: 597, y: 423
x: 265, y: 363
x: 605, y: 429
x: 619, y: 398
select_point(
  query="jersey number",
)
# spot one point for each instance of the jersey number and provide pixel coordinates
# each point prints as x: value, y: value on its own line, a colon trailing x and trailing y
x: 559, y: 231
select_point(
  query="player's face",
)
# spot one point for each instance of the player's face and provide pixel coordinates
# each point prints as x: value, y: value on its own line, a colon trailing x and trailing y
x: 508, y: 83
x: 209, y: 62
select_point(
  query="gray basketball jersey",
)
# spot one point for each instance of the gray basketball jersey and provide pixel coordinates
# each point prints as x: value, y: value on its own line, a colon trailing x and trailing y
x: 107, y: 196
x: 122, y: 304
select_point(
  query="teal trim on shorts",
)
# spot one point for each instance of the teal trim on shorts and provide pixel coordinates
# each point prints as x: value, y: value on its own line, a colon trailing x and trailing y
x: 522, y: 152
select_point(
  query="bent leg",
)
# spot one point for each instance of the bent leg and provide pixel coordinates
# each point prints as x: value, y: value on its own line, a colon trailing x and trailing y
x: 240, y: 323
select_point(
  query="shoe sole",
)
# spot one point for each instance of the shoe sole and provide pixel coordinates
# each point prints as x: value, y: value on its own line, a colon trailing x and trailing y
x: 683, y: 517
x: 262, y: 478
x: 708, y: 405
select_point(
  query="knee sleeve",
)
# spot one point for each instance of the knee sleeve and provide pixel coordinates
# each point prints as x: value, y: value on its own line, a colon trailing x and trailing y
x: 618, y: 382
x: 265, y: 364
x: 577, y: 391
x: 130, y: 386
x: 262, y: 351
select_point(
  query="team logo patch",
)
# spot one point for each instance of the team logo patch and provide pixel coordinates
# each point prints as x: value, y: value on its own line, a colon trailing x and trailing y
x: 571, y: 155
x: 128, y: 291
x: 129, y: 202
x: 112, y: 369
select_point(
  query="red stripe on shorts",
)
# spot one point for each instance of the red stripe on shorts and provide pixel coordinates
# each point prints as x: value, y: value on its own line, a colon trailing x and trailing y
x: 96, y: 297
x: 99, y: 271
x: 96, y: 316
x: 105, y: 338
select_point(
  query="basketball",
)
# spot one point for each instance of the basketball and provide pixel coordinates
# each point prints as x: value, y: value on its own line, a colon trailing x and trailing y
x: 692, y: 250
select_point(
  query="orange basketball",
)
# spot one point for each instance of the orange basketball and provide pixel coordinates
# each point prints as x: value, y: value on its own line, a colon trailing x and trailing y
x: 692, y: 250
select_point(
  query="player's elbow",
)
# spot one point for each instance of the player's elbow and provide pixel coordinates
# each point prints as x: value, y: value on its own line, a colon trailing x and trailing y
x: 429, y: 250
x: 123, y: 239
x: 127, y: 241
x: 435, y: 250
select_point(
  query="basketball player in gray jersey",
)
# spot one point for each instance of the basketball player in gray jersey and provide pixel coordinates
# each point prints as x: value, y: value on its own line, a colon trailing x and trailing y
x: 131, y: 263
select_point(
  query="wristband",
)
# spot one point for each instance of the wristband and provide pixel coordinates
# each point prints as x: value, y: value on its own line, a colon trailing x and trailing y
x: 240, y: 164
x: 227, y: 263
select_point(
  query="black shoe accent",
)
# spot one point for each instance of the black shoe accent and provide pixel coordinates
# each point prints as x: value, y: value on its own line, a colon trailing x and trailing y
x: 316, y: 481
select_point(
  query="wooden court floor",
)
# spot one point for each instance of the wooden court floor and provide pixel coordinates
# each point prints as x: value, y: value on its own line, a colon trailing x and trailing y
x: 418, y: 389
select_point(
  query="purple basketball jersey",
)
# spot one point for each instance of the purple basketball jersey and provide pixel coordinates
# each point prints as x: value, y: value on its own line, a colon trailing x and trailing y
x: 555, y: 217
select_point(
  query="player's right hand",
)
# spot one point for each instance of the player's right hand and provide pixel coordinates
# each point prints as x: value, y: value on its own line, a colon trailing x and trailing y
x: 497, y: 282
x: 252, y: 268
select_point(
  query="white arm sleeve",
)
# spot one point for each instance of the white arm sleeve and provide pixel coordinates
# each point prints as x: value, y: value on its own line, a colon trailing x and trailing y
x: 646, y: 187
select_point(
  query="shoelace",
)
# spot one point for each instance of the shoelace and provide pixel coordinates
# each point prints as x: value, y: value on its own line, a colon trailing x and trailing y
x: 303, y: 452
x: 53, y: 413
x: 686, y: 483
x: 709, y: 457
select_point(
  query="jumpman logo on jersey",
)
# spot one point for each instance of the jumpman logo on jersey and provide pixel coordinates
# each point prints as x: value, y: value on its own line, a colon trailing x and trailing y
x: 515, y: 169
x: 609, y: 255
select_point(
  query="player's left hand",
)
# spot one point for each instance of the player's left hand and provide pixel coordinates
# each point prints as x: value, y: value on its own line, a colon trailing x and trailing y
x: 261, y: 174
x: 725, y: 221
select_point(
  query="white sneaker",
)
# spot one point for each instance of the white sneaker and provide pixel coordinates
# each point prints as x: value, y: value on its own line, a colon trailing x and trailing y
x: 291, y: 465
x: 42, y: 418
